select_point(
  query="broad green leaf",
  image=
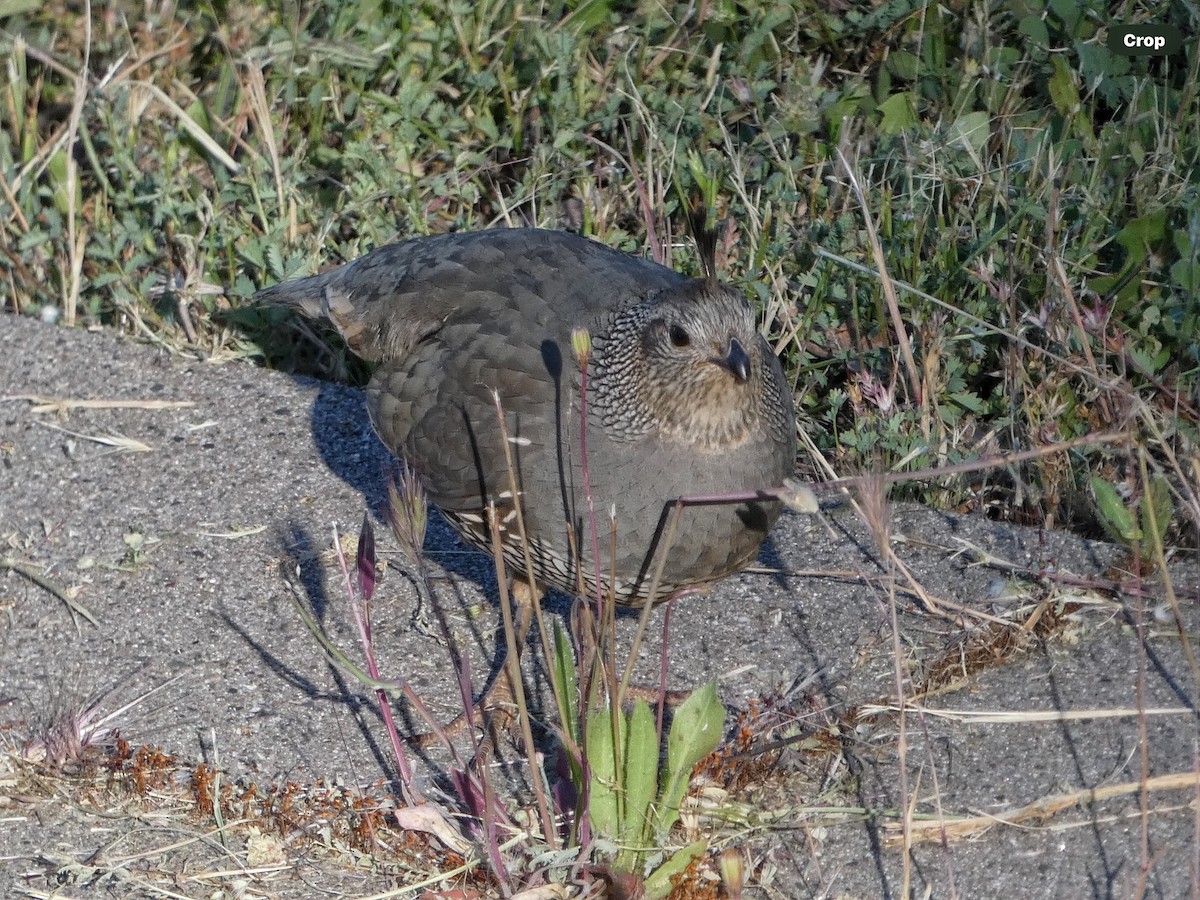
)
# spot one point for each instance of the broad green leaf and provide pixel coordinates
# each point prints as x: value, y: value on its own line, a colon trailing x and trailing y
x: 602, y: 797
x: 1068, y: 11
x: 1137, y: 152
x: 1114, y: 515
x: 1156, y: 503
x: 973, y: 129
x: 695, y: 733
x: 253, y: 252
x: 658, y: 885
x: 1150, y: 360
x: 898, y: 113
x: 1062, y: 88
x: 641, y: 782
x: 1143, y: 232
x: 1033, y: 28
x: 969, y: 400
x: 1186, y: 275
x: 1097, y: 61
x: 906, y: 65
x: 243, y: 286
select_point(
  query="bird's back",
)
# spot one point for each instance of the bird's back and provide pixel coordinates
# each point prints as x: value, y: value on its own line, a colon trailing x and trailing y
x: 518, y: 278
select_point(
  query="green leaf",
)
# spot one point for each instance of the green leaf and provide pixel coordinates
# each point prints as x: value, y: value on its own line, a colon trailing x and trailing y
x: 1096, y: 62
x: 641, y: 782
x: 898, y: 113
x: 969, y: 400
x: 1035, y: 29
x: 1186, y: 275
x: 1068, y: 11
x: 198, y: 113
x: 1148, y: 359
x: 588, y: 16
x: 253, y: 252
x: 1138, y: 236
x: 601, y: 754
x: 1114, y: 515
x: 695, y: 733
x: 1137, y: 152
x: 57, y: 170
x: 243, y: 286
x: 1063, y: 92
x: 973, y: 129
x: 565, y: 683
x: 906, y: 65
x: 658, y: 885
x: 1157, y: 504
x: 708, y: 183
x: 275, y: 262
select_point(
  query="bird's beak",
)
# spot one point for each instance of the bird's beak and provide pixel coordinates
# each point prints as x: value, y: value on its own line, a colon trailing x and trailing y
x: 736, y: 360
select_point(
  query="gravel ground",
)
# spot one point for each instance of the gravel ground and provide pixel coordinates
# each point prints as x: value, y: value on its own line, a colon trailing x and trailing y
x: 188, y: 556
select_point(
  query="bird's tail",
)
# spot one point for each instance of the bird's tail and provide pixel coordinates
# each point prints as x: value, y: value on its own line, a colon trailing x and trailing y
x: 359, y: 310
x: 304, y: 295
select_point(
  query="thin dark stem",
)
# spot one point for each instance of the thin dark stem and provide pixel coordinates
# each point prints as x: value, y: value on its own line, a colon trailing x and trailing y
x: 668, y: 541
x: 662, y: 669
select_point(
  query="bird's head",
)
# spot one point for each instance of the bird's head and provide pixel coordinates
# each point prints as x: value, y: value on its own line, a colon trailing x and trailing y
x: 691, y: 363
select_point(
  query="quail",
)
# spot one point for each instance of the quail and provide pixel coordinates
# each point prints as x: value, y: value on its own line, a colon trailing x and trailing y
x: 683, y: 397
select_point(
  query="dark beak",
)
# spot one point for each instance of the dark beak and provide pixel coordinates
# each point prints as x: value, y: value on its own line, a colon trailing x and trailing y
x: 736, y: 360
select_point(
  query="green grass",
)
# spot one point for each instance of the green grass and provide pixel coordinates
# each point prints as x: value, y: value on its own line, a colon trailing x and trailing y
x: 1038, y: 193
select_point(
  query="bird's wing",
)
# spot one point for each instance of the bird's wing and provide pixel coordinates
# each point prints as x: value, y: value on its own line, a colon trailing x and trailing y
x: 384, y: 303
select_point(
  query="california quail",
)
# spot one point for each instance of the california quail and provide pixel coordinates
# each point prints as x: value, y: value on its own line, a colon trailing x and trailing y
x: 684, y: 397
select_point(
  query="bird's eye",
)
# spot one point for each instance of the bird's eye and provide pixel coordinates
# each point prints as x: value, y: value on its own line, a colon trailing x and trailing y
x: 679, y: 337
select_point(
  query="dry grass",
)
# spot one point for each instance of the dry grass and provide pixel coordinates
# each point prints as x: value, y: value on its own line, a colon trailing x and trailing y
x: 181, y: 829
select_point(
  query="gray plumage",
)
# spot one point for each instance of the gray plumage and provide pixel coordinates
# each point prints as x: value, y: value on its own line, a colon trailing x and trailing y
x: 684, y: 397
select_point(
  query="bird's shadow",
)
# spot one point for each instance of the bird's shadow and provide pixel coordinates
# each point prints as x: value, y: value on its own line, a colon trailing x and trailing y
x: 344, y: 439
x: 343, y: 436
x: 302, y: 567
